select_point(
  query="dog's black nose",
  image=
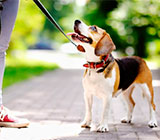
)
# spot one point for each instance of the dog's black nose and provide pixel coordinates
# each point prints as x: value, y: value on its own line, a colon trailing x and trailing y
x: 77, y: 22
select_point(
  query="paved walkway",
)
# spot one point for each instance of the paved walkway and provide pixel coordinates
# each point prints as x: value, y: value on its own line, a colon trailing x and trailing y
x: 54, y: 104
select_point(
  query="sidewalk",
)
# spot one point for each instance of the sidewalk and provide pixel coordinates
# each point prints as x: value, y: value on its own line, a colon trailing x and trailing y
x: 54, y: 104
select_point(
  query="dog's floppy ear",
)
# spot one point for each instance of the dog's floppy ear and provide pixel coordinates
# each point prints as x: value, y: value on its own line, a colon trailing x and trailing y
x: 105, y: 46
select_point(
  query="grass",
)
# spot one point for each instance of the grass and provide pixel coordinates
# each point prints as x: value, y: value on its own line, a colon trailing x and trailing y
x: 18, y: 70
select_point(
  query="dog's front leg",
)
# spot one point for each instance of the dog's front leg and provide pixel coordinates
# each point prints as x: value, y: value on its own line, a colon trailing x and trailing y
x: 88, y: 115
x: 103, y: 126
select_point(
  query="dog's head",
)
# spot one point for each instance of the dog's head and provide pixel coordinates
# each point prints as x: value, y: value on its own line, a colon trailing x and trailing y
x: 92, y: 40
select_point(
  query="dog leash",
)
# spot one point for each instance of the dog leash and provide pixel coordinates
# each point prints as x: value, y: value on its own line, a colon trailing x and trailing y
x: 51, y: 19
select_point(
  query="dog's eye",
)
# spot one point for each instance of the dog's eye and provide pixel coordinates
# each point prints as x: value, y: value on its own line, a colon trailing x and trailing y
x: 93, y: 28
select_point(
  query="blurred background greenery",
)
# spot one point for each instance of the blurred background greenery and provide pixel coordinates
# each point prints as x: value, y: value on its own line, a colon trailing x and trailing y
x: 134, y: 25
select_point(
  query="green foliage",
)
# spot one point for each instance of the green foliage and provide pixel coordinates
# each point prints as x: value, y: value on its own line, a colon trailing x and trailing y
x: 155, y: 60
x: 96, y: 13
x: 29, y: 23
x: 20, y: 69
x: 131, y: 23
x: 64, y: 12
x: 136, y: 22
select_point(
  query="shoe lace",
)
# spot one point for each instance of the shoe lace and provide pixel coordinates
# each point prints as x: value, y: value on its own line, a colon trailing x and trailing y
x: 3, y: 112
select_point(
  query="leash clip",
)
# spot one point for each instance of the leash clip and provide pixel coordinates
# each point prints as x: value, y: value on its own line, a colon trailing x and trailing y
x: 103, y: 61
x: 95, y: 66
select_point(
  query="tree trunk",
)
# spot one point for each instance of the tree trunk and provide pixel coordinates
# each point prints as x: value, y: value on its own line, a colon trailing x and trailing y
x: 140, y: 46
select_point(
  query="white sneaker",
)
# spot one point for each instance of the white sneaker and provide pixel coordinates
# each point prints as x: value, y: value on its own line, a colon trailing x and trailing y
x: 8, y: 120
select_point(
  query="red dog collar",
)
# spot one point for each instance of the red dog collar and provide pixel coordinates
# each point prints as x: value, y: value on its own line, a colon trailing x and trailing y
x: 96, y: 65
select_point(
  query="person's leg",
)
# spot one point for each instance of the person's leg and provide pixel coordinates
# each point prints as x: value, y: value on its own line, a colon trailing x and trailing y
x: 2, y: 65
x: 9, y: 13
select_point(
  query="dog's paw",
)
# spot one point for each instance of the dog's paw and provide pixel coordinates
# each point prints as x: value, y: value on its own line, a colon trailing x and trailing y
x: 102, y: 128
x: 85, y: 124
x: 152, y: 124
x: 125, y: 120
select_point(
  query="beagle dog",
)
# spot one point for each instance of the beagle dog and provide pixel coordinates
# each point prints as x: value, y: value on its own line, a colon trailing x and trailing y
x: 106, y: 77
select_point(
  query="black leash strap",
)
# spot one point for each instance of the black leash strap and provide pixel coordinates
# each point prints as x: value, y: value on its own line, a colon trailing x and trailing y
x: 47, y: 14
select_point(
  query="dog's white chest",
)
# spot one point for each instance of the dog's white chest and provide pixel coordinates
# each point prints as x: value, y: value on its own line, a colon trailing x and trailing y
x: 96, y: 84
